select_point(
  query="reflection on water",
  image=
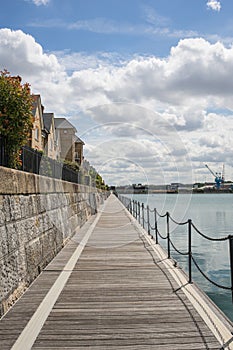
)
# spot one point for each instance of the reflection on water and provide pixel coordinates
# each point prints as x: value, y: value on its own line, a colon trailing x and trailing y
x: 212, y: 215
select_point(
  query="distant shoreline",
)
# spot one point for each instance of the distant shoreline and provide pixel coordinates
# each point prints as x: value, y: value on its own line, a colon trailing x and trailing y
x: 176, y: 192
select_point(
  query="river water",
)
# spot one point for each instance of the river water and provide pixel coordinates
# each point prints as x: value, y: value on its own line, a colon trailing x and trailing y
x: 212, y: 214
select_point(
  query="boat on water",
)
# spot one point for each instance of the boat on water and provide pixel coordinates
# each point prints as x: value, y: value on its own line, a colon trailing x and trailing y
x: 139, y: 188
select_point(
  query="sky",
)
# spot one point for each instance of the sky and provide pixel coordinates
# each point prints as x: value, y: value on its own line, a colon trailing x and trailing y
x: 147, y: 84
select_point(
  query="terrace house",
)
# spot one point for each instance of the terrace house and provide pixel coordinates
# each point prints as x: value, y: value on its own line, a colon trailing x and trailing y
x: 65, y: 135
x: 51, y: 148
x: 79, y: 150
x: 38, y: 132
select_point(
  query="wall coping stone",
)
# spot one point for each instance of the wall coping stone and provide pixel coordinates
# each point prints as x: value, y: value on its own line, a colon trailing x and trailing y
x: 20, y: 182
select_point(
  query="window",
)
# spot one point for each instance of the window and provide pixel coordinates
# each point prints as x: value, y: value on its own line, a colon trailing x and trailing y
x: 37, y: 133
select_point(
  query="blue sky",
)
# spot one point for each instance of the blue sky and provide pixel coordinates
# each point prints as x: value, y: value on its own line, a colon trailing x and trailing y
x: 126, y: 27
x: 148, y: 84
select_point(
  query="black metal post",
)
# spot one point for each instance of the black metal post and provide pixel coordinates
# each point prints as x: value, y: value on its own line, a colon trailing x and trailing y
x: 231, y: 262
x: 139, y: 212
x: 136, y: 210
x: 190, y: 249
x: 148, y: 220
x: 23, y: 159
x: 168, y: 237
x: 130, y: 206
x: 37, y: 163
x: 156, y: 226
x: 143, y: 219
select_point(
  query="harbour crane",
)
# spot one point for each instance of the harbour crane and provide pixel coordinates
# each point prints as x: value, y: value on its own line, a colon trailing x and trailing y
x: 218, y: 177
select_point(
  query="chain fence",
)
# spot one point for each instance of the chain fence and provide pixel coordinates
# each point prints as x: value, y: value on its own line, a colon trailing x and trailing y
x: 148, y: 218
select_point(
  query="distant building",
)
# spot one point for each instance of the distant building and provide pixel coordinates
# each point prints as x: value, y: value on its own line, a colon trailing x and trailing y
x: 172, y: 188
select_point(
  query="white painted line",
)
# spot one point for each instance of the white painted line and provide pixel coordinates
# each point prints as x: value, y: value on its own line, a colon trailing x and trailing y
x: 29, y: 334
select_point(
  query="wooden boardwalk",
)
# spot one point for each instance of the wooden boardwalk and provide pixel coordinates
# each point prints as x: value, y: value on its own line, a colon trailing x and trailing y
x: 109, y: 288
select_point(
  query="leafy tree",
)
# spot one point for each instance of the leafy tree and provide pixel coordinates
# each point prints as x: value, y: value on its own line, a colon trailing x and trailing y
x: 15, y: 114
x: 100, y: 182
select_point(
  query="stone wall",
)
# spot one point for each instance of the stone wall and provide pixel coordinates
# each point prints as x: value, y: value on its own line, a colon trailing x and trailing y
x: 38, y: 215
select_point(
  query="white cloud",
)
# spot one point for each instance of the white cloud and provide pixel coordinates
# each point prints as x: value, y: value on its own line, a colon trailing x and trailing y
x: 157, y: 103
x: 26, y: 55
x: 103, y: 25
x: 41, y: 70
x: 214, y: 5
x: 155, y: 27
x: 153, y: 17
x: 41, y: 2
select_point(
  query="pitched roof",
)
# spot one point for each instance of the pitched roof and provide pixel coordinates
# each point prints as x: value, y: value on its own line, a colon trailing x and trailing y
x: 48, y: 118
x: 78, y: 140
x: 36, y: 101
x: 63, y: 123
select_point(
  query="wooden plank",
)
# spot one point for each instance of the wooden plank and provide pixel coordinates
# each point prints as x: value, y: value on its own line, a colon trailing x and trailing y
x: 118, y: 296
